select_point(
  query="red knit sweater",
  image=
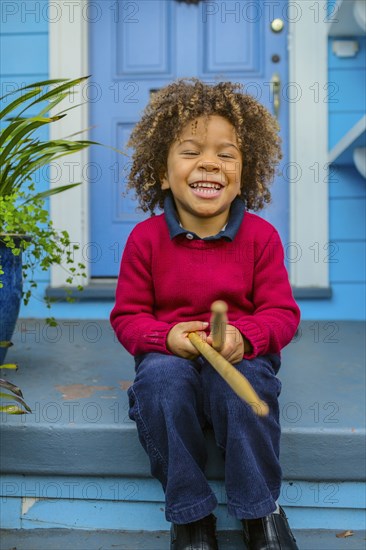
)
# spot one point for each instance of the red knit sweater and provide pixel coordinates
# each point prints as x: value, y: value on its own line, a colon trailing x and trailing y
x: 165, y: 281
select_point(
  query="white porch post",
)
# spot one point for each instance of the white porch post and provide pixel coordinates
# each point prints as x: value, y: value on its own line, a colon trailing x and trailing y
x: 68, y: 43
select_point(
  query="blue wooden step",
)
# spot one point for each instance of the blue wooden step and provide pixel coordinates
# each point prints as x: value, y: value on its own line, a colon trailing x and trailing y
x: 60, y: 539
x: 85, y: 502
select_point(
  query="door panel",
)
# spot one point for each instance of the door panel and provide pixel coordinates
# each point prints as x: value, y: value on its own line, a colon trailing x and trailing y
x: 139, y: 46
x: 143, y: 50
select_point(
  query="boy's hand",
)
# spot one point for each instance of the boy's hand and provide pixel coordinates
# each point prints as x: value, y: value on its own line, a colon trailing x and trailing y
x: 235, y: 345
x: 178, y: 342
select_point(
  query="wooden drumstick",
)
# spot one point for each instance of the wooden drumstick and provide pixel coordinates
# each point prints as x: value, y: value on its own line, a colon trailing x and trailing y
x: 230, y: 374
x: 218, y: 324
x: 218, y: 334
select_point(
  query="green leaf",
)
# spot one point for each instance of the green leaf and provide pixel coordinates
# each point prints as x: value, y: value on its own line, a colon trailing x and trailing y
x: 52, y: 104
x: 9, y: 366
x: 22, y: 99
x: 54, y: 191
x: 11, y: 387
x: 15, y: 398
x: 56, y: 91
x: 17, y: 138
x: 26, y: 166
x: 6, y: 344
x: 34, y: 85
x: 12, y: 409
x: 6, y: 134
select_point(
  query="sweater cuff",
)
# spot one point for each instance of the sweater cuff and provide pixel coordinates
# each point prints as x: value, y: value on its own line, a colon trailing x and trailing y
x: 254, y: 335
x: 155, y: 340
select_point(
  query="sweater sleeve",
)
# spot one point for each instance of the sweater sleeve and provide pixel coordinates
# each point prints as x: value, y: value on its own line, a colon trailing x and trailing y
x: 276, y: 316
x: 132, y: 317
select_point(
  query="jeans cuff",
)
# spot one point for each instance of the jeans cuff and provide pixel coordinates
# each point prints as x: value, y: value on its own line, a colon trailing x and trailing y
x: 192, y: 513
x: 256, y: 511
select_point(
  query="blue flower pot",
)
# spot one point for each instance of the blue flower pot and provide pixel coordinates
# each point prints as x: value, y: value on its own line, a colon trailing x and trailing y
x: 10, y: 295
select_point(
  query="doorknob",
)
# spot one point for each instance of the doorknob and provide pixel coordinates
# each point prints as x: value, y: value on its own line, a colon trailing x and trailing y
x: 276, y: 88
x: 277, y: 25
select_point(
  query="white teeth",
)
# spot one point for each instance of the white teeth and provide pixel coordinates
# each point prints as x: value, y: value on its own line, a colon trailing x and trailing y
x: 207, y: 191
x: 206, y: 186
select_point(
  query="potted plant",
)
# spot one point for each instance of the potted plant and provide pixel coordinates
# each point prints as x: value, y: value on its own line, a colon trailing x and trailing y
x: 28, y: 239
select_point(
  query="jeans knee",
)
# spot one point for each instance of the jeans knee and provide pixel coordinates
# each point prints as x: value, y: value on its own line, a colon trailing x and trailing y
x: 166, y: 393
x: 165, y: 377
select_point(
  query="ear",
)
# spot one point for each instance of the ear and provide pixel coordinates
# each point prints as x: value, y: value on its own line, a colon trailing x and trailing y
x: 164, y: 181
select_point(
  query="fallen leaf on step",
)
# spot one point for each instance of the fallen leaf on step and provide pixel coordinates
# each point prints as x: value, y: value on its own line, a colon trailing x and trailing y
x: 344, y: 534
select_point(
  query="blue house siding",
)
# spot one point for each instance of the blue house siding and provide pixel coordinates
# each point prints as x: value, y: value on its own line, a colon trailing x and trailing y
x: 23, y: 60
x: 23, y: 39
x: 347, y: 89
x: 24, y: 54
x: 347, y: 189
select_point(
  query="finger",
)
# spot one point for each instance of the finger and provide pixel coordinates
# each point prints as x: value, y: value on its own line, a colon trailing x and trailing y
x: 193, y: 326
x: 192, y: 353
x: 187, y: 351
x: 202, y: 335
x: 235, y: 359
x: 227, y: 351
x: 188, y: 356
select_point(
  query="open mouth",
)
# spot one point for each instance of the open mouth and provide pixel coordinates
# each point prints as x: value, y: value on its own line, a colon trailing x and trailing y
x: 206, y: 187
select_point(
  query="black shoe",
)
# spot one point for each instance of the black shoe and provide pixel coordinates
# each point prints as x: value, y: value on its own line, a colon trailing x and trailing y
x: 198, y: 535
x: 269, y: 533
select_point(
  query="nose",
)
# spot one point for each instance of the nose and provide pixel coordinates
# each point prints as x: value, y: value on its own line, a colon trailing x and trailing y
x: 209, y: 166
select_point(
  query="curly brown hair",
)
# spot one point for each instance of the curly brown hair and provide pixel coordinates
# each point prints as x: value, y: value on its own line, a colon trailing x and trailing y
x: 172, y: 107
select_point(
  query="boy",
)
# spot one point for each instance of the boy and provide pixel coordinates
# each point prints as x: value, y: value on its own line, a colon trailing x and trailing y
x: 206, y: 154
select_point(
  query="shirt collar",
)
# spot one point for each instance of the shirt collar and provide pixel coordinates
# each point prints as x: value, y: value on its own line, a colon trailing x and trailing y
x: 237, y: 210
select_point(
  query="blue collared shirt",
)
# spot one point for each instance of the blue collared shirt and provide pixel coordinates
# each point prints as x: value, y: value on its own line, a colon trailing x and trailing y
x: 237, y: 210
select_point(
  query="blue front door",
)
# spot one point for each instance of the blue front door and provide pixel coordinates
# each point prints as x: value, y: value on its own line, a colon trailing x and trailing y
x: 139, y: 46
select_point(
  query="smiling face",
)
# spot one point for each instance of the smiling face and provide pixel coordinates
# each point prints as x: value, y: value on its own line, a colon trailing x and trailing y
x: 204, y: 173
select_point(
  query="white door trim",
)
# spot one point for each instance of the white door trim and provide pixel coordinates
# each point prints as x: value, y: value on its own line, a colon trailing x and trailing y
x: 308, y: 146
x: 309, y: 218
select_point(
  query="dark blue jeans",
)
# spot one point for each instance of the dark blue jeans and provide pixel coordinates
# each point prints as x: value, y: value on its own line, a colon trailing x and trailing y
x: 172, y: 400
